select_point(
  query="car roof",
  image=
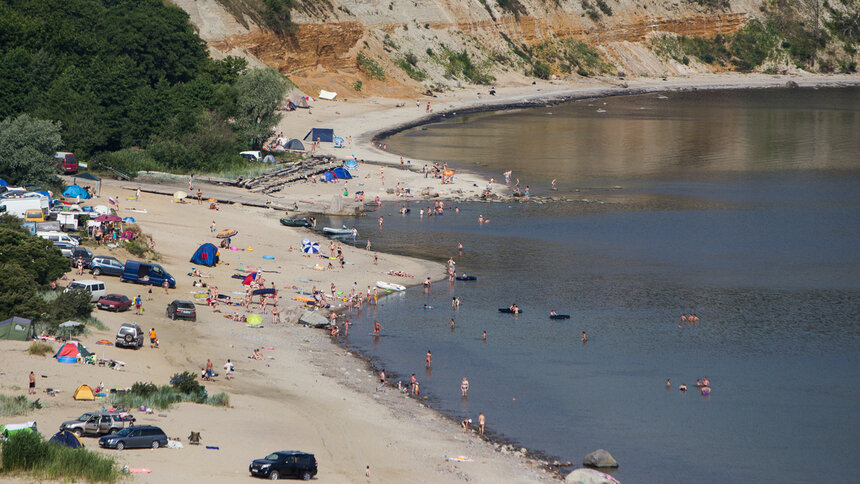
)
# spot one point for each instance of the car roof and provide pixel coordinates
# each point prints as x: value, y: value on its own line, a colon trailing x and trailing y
x: 292, y: 452
x: 113, y: 295
x: 180, y: 301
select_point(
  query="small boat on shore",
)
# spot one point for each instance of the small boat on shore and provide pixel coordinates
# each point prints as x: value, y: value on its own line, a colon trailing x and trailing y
x: 509, y: 311
x: 559, y: 316
x: 466, y: 278
x: 295, y: 222
x: 336, y: 231
x: 390, y: 286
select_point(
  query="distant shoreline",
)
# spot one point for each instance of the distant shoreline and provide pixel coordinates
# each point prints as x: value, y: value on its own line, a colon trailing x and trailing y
x: 564, y: 96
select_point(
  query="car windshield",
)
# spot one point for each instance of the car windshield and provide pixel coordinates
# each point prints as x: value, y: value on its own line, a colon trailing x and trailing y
x: 124, y: 432
x: 84, y: 417
x: 111, y: 297
x: 185, y: 305
x: 274, y: 456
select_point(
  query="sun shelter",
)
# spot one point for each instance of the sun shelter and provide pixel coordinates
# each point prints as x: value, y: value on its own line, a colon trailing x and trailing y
x: 90, y: 177
x: 75, y: 191
x: 300, y: 102
x: 68, y: 439
x: 84, y: 392
x: 329, y: 176
x: 20, y: 329
x: 71, y: 351
x: 342, y: 174
x: 294, y: 145
x: 207, y: 255
x: 325, y: 135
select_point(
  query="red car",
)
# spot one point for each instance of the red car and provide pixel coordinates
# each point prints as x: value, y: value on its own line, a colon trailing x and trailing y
x: 114, y: 302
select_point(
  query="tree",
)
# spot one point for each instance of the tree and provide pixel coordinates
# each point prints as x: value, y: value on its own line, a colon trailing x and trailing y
x: 260, y: 91
x: 18, y: 294
x: 37, y: 257
x: 27, y: 147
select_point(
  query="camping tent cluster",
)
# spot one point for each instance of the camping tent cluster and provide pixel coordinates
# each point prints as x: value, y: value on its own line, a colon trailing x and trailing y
x: 337, y: 174
x: 16, y: 328
x: 207, y: 255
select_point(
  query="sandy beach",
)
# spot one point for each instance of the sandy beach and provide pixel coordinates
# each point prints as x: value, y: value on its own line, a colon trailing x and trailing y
x: 308, y: 394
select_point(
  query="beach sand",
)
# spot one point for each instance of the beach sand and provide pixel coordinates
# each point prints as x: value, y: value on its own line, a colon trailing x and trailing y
x: 309, y: 394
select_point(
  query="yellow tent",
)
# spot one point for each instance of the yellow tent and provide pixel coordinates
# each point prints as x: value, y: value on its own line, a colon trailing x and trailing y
x: 84, y: 392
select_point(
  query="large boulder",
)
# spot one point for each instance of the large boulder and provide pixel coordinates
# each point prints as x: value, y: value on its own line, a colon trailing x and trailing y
x: 599, y: 458
x: 589, y: 476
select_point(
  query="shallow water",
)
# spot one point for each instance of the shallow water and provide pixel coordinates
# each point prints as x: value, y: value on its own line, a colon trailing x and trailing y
x: 754, y: 228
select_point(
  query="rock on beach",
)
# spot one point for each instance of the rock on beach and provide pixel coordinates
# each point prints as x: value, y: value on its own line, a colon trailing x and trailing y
x: 589, y: 476
x: 599, y: 458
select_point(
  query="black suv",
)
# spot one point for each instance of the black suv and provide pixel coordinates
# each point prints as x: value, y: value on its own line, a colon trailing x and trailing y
x: 286, y: 463
x: 140, y: 437
x: 182, y: 310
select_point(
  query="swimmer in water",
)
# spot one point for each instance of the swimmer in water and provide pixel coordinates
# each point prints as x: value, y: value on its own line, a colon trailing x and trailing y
x: 584, y: 337
x: 683, y: 387
x: 668, y: 383
x: 484, y: 335
x: 452, y: 324
x: 376, y: 328
x: 429, y: 359
x: 427, y: 306
x: 553, y: 313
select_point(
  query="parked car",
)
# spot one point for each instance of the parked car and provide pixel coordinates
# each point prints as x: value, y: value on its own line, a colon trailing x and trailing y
x: 65, y: 248
x: 34, y: 215
x: 114, y: 302
x: 286, y: 463
x: 182, y: 310
x: 86, y: 256
x: 137, y: 437
x: 54, y: 236
x: 96, y: 288
x: 97, y: 423
x: 146, y: 273
x: 129, y: 335
x: 109, y: 266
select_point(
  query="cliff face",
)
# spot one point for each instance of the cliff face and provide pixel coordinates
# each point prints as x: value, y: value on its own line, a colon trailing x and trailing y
x: 410, y: 45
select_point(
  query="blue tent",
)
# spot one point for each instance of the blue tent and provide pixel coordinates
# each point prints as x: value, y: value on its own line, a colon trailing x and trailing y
x: 329, y: 176
x: 207, y: 255
x: 342, y: 174
x: 324, y: 134
x: 75, y: 191
x: 68, y: 439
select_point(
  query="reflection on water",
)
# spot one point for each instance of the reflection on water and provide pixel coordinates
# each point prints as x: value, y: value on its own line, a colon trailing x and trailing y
x: 687, y: 135
x: 742, y: 207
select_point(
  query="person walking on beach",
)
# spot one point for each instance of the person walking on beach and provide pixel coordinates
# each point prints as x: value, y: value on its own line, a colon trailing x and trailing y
x: 199, y: 196
x: 153, y: 338
x: 413, y: 383
x: 165, y: 285
x: 209, y: 368
x: 191, y: 182
x: 228, y: 369
x: 482, y: 421
x: 32, y: 389
x: 276, y: 314
x: 138, y: 304
x: 367, y: 475
x: 381, y: 380
x: 464, y: 387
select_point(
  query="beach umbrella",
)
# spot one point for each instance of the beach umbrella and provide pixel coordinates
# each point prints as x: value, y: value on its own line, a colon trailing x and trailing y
x: 129, y: 220
x: 226, y: 233
x: 305, y: 242
x: 179, y: 195
x: 255, y: 319
x: 312, y: 248
x: 70, y: 325
x: 108, y: 218
x: 448, y: 173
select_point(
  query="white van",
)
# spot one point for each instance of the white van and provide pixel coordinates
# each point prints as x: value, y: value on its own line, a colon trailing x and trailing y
x: 97, y: 288
x: 58, y: 237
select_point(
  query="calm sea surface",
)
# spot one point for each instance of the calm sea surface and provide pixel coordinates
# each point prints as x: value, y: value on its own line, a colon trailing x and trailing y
x: 740, y: 206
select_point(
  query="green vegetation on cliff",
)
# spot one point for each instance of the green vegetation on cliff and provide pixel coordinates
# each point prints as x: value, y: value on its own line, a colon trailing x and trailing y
x: 805, y: 34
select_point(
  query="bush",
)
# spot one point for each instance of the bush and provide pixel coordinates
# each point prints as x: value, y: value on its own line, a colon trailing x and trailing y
x: 459, y: 64
x: 17, y: 405
x: 27, y: 452
x: 39, y: 349
x: 369, y: 67
x: 219, y: 400
x: 186, y: 382
x: 409, y: 67
x: 144, y: 389
x: 541, y: 70
x: 357, y: 85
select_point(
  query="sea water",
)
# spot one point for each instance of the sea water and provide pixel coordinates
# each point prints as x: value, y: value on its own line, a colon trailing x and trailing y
x: 742, y: 207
